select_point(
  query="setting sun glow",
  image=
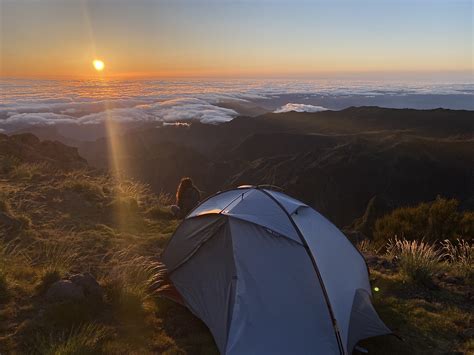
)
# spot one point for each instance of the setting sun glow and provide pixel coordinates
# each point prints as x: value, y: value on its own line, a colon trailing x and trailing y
x: 98, y: 64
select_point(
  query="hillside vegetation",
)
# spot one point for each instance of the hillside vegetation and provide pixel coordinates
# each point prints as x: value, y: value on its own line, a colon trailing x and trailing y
x: 61, y: 220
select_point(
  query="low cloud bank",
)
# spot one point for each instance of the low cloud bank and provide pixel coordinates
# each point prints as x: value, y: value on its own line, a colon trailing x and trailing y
x: 49, y: 102
x: 300, y: 108
x: 173, y: 110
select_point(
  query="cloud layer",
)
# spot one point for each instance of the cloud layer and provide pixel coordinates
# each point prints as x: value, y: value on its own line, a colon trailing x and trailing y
x: 300, y: 108
x: 49, y: 102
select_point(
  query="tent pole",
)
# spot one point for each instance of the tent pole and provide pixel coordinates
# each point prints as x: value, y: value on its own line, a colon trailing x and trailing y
x: 315, y: 266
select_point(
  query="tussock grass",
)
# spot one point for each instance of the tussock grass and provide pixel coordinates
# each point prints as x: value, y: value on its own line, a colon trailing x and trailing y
x: 140, y: 273
x: 58, y: 257
x: 367, y: 246
x: 91, y: 190
x: 28, y: 171
x: 165, y: 199
x: 131, y: 282
x: 418, y: 260
x: 83, y: 339
x: 133, y: 190
x: 17, y: 222
x: 12, y: 253
x: 460, y: 255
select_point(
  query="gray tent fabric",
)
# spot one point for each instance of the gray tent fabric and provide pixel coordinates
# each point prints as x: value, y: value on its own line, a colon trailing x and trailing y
x: 269, y: 275
x: 205, y: 283
x: 188, y: 237
x: 341, y: 266
x: 365, y: 322
x: 279, y: 307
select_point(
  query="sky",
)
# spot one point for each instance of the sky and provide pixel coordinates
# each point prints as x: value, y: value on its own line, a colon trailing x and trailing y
x: 270, y: 38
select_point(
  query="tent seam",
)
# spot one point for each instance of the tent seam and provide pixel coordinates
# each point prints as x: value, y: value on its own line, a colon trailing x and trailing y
x: 315, y: 266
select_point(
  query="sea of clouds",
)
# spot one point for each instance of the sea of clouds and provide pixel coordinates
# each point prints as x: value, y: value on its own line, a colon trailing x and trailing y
x: 48, y: 102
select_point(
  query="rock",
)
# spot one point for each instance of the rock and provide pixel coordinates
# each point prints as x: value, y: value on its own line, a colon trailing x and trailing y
x: 88, y: 284
x: 468, y: 333
x: 64, y: 290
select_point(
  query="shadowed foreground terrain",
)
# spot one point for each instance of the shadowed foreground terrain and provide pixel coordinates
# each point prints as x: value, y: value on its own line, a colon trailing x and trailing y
x: 99, y: 238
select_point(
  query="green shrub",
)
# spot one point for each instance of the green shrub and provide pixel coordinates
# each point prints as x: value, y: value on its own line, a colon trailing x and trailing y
x: 418, y: 260
x: 434, y: 221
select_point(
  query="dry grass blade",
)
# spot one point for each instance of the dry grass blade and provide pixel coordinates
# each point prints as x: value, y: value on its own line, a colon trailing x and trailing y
x: 84, y: 339
x: 418, y: 260
x: 460, y: 254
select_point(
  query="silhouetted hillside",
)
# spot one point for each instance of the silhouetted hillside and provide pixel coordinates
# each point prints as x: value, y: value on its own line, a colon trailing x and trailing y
x: 337, y: 161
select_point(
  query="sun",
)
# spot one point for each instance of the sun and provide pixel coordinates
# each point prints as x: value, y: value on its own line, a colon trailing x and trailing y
x: 98, y: 64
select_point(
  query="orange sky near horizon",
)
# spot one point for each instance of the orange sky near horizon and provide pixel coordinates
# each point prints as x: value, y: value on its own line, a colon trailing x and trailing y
x: 52, y: 38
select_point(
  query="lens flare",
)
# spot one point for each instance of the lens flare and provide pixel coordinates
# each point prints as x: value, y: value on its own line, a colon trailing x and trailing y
x: 98, y: 64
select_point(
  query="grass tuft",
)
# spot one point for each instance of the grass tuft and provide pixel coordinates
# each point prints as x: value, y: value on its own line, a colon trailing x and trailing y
x: 83, y: 339
x: 28, y: 171
x: 460, y: 255
x: 418, y: 260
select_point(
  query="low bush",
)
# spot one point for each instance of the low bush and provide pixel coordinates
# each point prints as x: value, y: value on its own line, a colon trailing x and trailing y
x: 418, y: 260
x: 434, y: 221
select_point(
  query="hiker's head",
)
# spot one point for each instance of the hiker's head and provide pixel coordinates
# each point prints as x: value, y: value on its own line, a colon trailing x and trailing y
x: 184, y: 184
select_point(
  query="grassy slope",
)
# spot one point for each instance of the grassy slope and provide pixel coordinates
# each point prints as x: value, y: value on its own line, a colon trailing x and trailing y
x: 68, y: 222
x: 71, y: 227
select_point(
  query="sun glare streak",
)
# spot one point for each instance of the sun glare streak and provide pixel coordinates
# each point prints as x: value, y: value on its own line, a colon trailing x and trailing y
x: 116, y: 148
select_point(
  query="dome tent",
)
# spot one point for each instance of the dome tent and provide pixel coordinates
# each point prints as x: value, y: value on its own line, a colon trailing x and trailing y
x: 270, y: 275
